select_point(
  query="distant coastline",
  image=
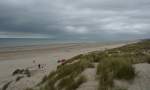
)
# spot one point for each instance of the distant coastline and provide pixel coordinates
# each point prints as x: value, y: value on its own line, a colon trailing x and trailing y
x: 21, y: 44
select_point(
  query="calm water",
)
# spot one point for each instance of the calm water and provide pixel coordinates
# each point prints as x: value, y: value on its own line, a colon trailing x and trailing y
x: 13, y: 42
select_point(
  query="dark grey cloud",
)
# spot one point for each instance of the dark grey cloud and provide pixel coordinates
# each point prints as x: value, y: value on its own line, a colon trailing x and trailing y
x: 78, y: 19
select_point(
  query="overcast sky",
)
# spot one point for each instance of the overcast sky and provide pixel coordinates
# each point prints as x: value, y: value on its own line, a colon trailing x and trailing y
x: 75, y: 19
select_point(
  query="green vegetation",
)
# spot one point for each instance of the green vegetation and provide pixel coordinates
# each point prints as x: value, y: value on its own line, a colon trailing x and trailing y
x: 29, y: 89
x: 70, y: 84
x: 113, y: 64
x: 119, y: 88
x: 45, y: 78
x: 120, y: 67
x: 148, y: 59
x: 73, y: 68
x: 74, y: 85
x: 113, y: 68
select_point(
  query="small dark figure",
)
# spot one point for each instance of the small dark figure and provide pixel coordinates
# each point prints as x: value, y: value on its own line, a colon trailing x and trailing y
x: 39, y: 66
x: 33, y: 61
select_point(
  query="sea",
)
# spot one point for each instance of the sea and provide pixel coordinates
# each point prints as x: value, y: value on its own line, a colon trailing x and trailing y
x: 7, y: 44
x: 14, y: 42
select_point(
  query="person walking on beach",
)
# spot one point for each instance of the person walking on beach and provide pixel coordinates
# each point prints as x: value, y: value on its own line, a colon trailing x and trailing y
x: 33, y: 61
x: 39, y: 66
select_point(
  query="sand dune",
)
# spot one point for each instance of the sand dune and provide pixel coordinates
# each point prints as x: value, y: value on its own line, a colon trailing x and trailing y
x: 141, y: 81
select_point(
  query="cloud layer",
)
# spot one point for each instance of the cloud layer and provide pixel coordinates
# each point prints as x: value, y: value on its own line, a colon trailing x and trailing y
x: 78, y: 19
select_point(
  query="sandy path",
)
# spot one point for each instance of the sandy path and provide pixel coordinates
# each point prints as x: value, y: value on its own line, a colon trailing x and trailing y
x: 91, y: 83
x: 142, y: 81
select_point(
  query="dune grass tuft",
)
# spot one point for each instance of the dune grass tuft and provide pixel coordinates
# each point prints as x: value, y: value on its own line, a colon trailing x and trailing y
x: 74, y: 68
x: 76, y: 83
x: 65, y: 82
x: 44, y: 79
x: 29, y: 89
x: 148, y: 59
x: 119, y: 88
x: 120, y: 67
x: 114, y: 68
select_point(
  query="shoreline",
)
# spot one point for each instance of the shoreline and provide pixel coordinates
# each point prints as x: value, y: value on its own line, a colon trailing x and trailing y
x: 11, y: 52
x: 8, y: 49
